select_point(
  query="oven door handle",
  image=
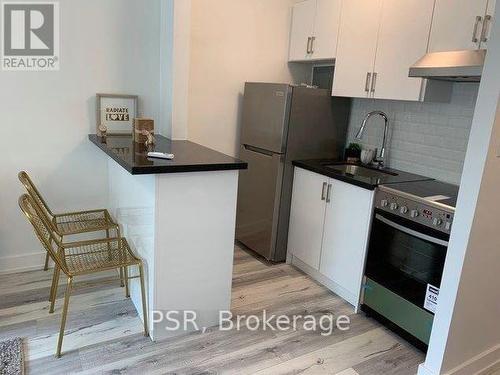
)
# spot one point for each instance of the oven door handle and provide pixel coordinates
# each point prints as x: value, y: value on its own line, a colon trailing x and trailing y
x: 411, y: 232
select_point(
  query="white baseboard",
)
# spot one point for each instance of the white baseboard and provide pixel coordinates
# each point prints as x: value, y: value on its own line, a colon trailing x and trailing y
x: 492, y: 370
x: 21, y: 263
x: 422, y: 370
x: 480, y: 364
x: 330, y: 284
x: 484, y: 363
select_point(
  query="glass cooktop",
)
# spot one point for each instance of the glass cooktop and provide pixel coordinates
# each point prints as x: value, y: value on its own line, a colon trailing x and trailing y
x: 431, y: 190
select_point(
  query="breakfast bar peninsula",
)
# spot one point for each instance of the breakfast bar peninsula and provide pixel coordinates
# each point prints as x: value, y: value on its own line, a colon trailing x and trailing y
x: 179, y: 216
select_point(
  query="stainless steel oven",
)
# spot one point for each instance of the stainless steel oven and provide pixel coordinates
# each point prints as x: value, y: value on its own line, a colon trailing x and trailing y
x: 406, y: 256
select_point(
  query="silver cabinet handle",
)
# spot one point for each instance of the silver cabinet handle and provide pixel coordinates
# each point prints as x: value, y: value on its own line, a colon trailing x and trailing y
x: 313, y: 38
x: 484, y: 31
x: 328, y: 193
x: 367, y: 83
x: 308, y: 45
x: 374, y: 82
x: 323, y: 191
x: 474, y: 31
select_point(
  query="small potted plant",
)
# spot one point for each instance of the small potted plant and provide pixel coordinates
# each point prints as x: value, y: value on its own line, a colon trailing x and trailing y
x: 353, y: 152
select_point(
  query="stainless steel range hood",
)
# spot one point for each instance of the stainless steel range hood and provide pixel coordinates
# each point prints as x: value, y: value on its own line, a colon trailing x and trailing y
x: 458, y: 66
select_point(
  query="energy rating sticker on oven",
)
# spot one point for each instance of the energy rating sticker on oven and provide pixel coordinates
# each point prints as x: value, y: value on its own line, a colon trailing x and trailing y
x: 431, y: 298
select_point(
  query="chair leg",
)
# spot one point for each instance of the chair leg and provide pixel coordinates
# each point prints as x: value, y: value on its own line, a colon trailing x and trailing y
x: 53, y: 291
x: 121, y: 277
x: 125, y: 273
x: 143, y: 295
x: 109, y: 247
x: 46, y: 266
x: 121, y: 269
x: 64, y: 315
x: 52, y: 284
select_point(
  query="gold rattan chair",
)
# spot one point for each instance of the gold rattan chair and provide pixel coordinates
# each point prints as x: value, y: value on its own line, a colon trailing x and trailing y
x: 80, y: 258
x: 72, y: 223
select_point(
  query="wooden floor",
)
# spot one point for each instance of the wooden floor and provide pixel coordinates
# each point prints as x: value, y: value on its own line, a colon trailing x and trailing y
x: 103, y: 332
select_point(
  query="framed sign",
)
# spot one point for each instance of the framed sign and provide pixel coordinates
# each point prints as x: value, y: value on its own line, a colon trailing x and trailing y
x: 116, y: 113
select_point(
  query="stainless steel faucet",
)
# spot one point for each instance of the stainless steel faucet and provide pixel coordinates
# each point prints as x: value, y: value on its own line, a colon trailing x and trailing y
x: 381, y: 157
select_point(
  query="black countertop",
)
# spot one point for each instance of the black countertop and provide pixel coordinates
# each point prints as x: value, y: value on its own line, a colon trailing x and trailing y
x: 392, y: 176
x: 188, y: 156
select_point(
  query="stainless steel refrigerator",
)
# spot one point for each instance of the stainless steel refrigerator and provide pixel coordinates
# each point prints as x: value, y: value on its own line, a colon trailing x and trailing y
x: 281, y: 123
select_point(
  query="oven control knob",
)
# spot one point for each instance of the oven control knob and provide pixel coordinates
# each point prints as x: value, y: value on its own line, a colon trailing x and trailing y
x: 403, y: 210
x: 384, y: 203
x: 414, y: 213
x: 394, y: 206
x: 437, y: 222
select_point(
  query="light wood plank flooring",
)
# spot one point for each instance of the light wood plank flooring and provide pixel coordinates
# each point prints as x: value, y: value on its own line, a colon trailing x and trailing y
x: 103, y: 332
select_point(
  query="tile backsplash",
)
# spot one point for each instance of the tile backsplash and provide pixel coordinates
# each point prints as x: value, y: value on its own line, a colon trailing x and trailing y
x: 424, y: 138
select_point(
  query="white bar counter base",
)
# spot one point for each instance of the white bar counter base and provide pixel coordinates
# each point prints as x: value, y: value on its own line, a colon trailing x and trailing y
x: 182, y: 225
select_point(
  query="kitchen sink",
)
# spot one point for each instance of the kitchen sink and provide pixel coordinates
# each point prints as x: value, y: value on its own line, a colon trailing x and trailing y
x: 358, y: 170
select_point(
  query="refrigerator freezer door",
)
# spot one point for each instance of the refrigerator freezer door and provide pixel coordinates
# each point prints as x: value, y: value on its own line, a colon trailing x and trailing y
x: 259, y: 194
x: 265, y: 115
x: 318, y: 124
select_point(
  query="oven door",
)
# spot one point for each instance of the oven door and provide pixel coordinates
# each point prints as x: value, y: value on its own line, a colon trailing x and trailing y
x: 405, y: 257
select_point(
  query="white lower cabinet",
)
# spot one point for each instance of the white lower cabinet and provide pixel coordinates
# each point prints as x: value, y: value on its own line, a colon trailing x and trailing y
x: 345, y: 238
x: 329, y: 229
x: 307, y: 216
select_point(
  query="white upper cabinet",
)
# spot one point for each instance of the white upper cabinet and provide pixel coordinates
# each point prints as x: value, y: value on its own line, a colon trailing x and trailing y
x: 313, y: 35
x: 402, y: 40
x: 357, y: 44
x: 460, y: 24
x: 378, y: 42
x: 326, y: 26
x: 488, y: 19
x: 487, y: 23
x: 302, y: 30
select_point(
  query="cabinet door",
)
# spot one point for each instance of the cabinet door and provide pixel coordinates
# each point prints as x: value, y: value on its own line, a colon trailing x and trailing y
x: 302, y: 29
x: 402, y: 40
x: 345, y: 238
x: 357, y: 42
x: 455, y: 25
x: 487, y: 23
x: 326, y: 26
x: 307, y: 216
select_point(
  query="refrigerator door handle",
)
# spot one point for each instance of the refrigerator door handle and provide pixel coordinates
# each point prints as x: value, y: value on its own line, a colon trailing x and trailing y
x: 259, y: 150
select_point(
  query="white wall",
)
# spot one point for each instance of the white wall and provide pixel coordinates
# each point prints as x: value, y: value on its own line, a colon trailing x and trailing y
x: 180, y: 67
x: 166, y: 39
x: 233, y: 42
x: 466, y: 332
x: 425, y: 138
x: 174, y: 67
x: 106, y: 46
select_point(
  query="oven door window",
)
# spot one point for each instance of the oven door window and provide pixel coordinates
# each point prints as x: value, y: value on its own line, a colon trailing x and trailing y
x: 404, y: 256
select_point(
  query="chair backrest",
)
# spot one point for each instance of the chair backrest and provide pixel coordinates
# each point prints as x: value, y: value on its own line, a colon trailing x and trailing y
x: 34, y: 193
x: 43, y: 229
